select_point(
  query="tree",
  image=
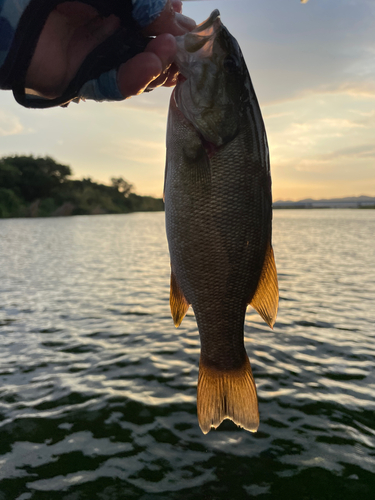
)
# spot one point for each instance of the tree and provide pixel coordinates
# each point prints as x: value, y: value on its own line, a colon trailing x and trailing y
x: 10, y: 204
x: 32, y: 178
x: 36, y: 187
x: 122, y: 185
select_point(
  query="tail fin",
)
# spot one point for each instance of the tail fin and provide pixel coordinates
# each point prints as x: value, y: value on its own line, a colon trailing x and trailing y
x: 227, y: 394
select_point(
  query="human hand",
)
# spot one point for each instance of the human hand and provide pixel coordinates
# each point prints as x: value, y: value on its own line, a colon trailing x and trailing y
x: 74, y: 29
x: 154, y: 67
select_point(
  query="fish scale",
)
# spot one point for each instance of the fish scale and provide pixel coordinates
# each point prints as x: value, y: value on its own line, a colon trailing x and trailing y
x: 218, y: 217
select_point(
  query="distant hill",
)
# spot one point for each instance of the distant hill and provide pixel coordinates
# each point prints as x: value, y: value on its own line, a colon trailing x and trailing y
x: 347, y: 202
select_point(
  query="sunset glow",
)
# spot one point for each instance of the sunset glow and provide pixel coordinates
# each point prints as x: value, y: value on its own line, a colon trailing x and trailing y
x: 312, y: 67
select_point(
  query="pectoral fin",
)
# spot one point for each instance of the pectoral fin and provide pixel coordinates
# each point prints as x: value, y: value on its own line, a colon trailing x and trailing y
x: 177, y: 301
x: 266, y: 298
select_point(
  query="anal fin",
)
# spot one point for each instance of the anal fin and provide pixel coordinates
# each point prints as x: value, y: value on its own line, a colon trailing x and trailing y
x: 227, y: 394
x: 177, y: 301
x: 266, y: 298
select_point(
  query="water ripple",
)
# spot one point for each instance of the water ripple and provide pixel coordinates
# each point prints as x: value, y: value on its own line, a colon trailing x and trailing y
x: 98, y: 388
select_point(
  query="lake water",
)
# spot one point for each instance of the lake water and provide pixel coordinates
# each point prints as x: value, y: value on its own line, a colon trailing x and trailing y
x: 98, y: 388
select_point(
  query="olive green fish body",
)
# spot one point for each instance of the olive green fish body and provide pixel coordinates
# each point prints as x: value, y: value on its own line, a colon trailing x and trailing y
x: 218, y: 219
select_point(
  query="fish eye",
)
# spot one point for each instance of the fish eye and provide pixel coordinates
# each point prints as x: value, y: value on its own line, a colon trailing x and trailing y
x: 230, y: 64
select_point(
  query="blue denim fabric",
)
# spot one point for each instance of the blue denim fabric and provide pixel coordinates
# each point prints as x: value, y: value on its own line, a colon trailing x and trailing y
x: 103, y: 88
x: 10, y: 14
x: 146, y: 11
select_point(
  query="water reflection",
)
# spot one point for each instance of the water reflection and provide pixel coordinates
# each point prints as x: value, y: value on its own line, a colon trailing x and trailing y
x: 98, y: 388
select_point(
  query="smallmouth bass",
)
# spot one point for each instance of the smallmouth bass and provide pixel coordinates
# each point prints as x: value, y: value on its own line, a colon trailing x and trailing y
x: 218, y: 209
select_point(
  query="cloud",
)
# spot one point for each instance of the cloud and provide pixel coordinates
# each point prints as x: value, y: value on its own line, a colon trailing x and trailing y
x: 298, y: 135
x: 337, y: 162
x: 367, y: 118
x: 364, y: 151
x: 323, y: 127
x: 356, y: 87
x: 322, y: 142
x: 137, y: 151
x: 155, y: 102
x: 9, y: 124
x: 356, y: 159
x: 325, y: 47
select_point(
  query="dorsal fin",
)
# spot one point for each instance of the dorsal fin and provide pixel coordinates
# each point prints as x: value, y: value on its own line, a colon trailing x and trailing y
x: 266, y: 298
x: 177, y: 301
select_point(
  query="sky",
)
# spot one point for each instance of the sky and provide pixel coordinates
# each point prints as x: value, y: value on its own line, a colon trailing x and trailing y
x: 313, y: 69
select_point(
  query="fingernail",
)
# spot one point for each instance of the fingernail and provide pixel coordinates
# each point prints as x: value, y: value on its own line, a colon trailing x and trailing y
x: 185, y: 22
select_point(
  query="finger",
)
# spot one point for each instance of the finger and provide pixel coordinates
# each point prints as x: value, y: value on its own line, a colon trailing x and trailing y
x: 165, y: 47
x: 148, y: 69
x: 137, y: 73
x: 158, y: 82
x: 177, y: 6
x: 76, y: 12
x: 172, y: 77
x: 171, y: 22
x: 167, y: 79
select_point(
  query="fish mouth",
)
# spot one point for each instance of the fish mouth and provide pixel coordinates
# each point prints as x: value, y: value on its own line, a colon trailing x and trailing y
x: 196, y: 46
x: 208, y: 24
x: 202, y: 37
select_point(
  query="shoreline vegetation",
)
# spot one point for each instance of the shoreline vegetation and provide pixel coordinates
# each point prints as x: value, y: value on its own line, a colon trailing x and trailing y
x: 40, y: 187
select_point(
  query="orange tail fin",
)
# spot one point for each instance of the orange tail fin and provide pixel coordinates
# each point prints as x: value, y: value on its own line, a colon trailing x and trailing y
x: 227, y: 394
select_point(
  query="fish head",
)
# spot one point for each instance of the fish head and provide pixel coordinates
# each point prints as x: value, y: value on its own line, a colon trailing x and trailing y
x: 212, y: 90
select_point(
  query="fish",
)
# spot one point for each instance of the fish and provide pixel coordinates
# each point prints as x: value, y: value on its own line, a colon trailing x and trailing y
x: 218, y: 212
